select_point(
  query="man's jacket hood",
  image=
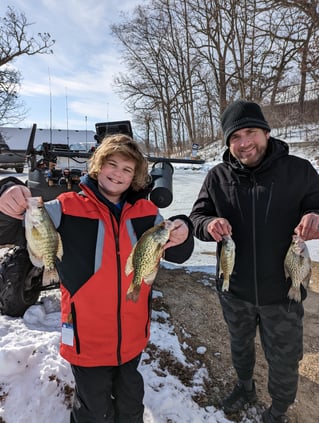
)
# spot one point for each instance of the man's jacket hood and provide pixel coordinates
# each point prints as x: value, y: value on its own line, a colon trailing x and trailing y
x: 275, y: 149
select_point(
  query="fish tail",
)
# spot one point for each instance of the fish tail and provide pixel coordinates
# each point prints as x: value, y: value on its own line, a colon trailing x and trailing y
x: 225, y: 286
x: 133, y: 293
x: 295, y: 294
x: 50, y: 276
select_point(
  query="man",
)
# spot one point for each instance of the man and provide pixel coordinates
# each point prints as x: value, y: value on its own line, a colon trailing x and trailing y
x: 260, y: 195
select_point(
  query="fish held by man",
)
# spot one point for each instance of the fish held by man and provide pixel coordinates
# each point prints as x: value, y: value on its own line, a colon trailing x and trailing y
x: 227, y: 260
x: 145, y: 257
x: 297, y: 267
x: 43, y: 241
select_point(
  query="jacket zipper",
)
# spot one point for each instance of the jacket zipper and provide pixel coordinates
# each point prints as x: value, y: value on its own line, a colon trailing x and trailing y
x: 269, y: 201
x: 254, y: 191
x: 119, y: 291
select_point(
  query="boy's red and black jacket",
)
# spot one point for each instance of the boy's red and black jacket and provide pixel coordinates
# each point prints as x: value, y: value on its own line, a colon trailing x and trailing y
x: 108, y: 330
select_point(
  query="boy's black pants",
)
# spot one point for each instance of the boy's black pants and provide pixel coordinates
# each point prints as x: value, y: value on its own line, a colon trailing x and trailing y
x: 108, y: 394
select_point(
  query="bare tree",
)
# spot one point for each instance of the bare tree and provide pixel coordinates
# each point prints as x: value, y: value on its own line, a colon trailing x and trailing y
x: 154, y: 82
x: 187, y: 59
x: 14, y: 42
x: 306, y: 38
x: 10, y: 106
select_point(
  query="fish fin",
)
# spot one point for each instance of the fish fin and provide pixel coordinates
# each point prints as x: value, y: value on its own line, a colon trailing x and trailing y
x: 59, y: 252
x: 133, y: 293
x: 286, y: 272
x: 36, y: 261
x: 149, y: 279
x: 307, y: 280
x: 50, y: 276
x: 305, y: 283
x: 36, y: 233
x: 129, y: 262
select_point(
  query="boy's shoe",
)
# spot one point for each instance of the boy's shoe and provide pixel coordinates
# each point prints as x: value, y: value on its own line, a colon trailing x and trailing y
x: 238, y: 398
x: 269, y: 418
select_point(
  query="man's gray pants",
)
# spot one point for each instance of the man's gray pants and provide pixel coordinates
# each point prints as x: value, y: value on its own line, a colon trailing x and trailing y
x: 281, y: 334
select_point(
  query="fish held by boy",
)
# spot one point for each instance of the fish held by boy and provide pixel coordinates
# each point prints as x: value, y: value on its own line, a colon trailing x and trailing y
x: 145, y: 257
x: 227, y: 260
x: 43, y: 241
x: 297, y: 266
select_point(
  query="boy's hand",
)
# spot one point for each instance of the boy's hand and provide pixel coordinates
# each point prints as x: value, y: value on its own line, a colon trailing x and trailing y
x: 178, y: 235
x: 13, y: 201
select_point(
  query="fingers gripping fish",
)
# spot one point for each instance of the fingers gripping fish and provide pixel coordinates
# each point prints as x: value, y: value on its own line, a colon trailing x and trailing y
x: 43, y: 241
x: 145, y: 257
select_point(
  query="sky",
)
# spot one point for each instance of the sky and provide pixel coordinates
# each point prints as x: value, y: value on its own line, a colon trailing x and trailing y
x: 34, y: 379
x: 72, y: 88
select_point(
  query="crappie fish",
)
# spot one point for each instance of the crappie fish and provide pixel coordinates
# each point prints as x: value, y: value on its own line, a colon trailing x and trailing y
x: 227, y: 260
x: 297, y: 266
x: 43, y: 241
x: 145, y: 257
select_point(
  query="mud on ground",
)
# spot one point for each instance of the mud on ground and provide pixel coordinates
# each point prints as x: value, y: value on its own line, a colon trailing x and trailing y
x: 196, y: 315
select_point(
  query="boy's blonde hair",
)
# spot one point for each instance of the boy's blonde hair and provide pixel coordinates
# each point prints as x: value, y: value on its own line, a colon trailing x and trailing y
x: 128, y: 148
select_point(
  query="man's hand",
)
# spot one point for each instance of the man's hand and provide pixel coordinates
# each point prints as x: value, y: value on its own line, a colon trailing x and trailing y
x: 308, y: 227
x: 13, y: 201
x: 178, y: 235
x: 218, y: 227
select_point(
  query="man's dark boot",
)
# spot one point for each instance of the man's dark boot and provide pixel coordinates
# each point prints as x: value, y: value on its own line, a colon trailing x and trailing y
x: 269, y: 418
x: 238, y: 398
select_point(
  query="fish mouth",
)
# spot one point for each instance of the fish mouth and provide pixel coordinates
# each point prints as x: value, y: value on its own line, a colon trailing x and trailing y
x: 169, y: 224
x: 298, y: 245
x: 34, y: 202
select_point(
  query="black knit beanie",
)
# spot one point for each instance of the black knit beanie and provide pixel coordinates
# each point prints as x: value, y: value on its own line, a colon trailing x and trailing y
x: 242, y: 114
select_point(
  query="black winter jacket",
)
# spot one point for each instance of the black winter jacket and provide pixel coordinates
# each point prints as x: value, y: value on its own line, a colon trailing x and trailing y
x: 263, y: 205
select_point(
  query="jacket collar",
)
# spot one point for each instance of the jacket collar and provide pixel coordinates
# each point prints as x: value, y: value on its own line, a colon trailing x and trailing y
x: 276, y: 148
x: 90, y: 188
